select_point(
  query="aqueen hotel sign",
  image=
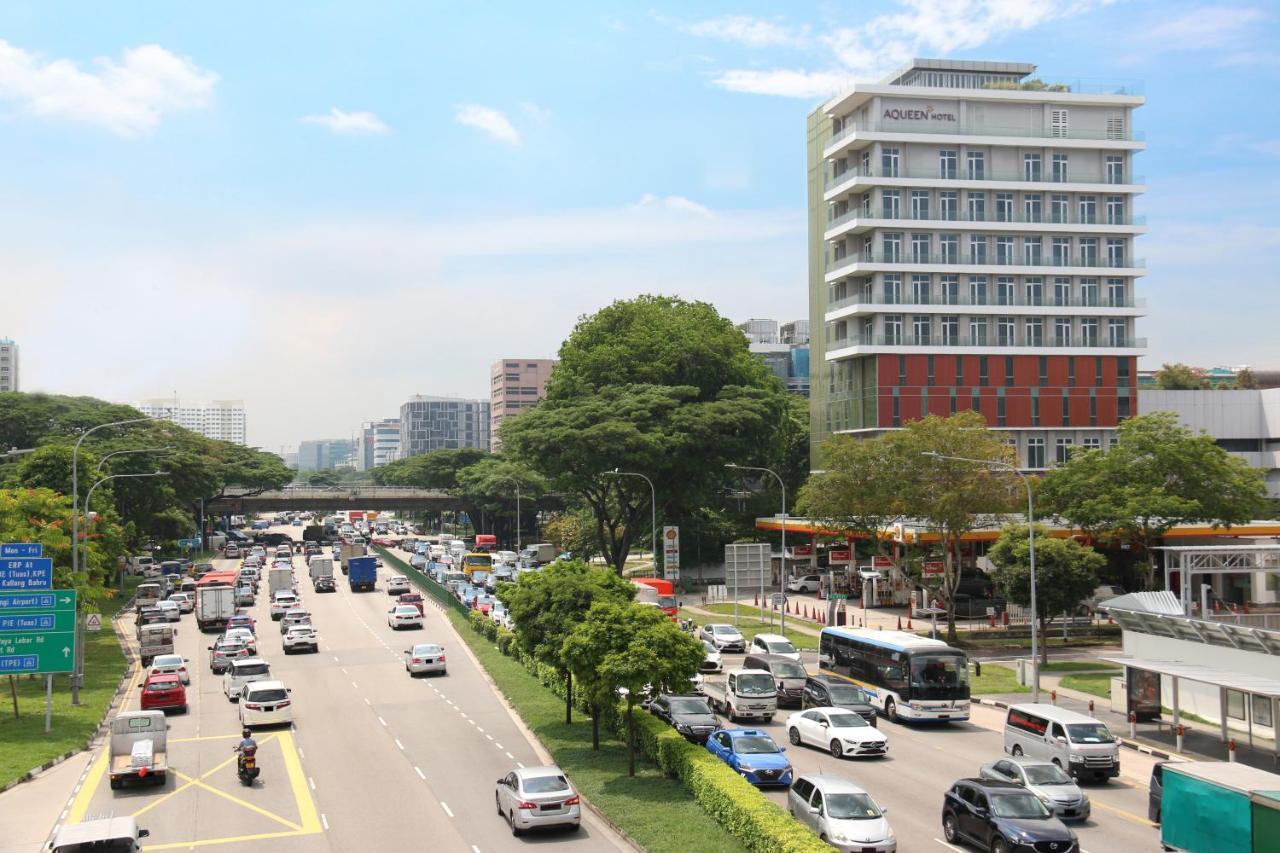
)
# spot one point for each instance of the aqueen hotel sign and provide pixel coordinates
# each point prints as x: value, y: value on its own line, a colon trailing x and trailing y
x: 925, y: 114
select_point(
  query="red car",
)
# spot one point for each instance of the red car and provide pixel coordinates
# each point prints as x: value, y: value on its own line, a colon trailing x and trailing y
x: 382, y: 541
x: 164, y: 691
x: 412, y: 598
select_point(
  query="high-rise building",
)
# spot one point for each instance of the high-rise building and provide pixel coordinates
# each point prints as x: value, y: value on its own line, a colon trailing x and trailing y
x: 223, y: 420
x: 784, y: 349
x: 326, y: 454
x: 8, y: 365
x: 379, y: 443
x: 971, y: 246
x: 515, y: 385
x: 442, y: 423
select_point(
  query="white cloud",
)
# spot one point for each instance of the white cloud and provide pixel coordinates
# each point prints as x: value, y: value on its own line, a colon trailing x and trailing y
x: 128, y: 97
x: 789, y: 83
x: 752, y: 32
x: 341, y: 121
x: 538, y: 113
x: 1205, y: 28
x: 672, y: 202
x: 489, y: 120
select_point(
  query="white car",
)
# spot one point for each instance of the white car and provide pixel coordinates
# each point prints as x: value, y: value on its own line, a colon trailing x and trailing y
x: 425, y: 657
x: 404, y: 616
x: 176, y: 664
x: 535, y: 797
x: 243, y: 635
x: 300, y: 637
x: 724, y: 637
x: 265, y: 703
x: 837, y: 730
x: 711, y: 662
x: 805, y: 583
x: 281, y: 602
x: 294, y: 616
x: 397, y: 584
x: 242, y: 672
x: 186, y: 601
x: 774, y: 644
x: 170, y: 609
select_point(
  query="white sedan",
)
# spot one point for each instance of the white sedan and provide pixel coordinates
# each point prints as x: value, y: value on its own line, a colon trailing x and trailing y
x: 425, y: 657
x: 175, y: 664
x: 300, y: 637
x: 404, y: 616
x: 839, y: 731
x: 397, y: 584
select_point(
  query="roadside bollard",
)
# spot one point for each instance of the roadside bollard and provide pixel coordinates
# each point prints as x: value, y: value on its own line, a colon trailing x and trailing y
x: 1090, y: 707
x: 1180, y: 731
x: 1231, y: 750
x: 1053, y: 696
x: 1133, y: 725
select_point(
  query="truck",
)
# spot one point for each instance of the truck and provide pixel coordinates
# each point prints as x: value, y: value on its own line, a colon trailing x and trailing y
x: 146, y: 596
x: 659, y: 592
x: 362, y: 572
x: 320, y: 567
x: 539, y: 554
x: 1221, y: 806
x: 138, y: 747
x: 314, y: 533
x: 349, y: 551
x: 278, y: 579
x: 119, y: 834
x: 742, y: 693
x: 154, y: 639
x: 215, y: 604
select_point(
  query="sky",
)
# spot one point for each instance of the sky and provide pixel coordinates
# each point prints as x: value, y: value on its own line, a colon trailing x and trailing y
x: 325, y: 208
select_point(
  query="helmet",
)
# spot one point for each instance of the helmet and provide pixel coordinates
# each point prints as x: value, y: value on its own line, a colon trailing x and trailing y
x: 247, y: 732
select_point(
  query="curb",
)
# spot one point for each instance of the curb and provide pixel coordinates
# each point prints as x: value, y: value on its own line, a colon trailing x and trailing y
x: 1125, y: 742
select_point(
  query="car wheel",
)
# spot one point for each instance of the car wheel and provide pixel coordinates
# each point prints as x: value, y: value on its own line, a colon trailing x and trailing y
x: 837, y: 751
x: 511, y: 819
x: 949, y: 827
x: 497, y: 802
x: 1016, y: 752
x: 1057, y: 762
x: 999, y: 846
x: 794, y: 735
x: 891, y: 710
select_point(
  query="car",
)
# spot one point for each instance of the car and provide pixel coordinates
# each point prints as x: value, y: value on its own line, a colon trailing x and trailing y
x: 840, y: 732
x: 265, y: 703
x: 172, y: 612
x: 242, y: 672
x: 1155, y: 792
x: 242, y: 620
x: 1046, y: 780
x: 245, y: 596
x: 302, y: 637
x: 536, y: 798
x: 723, y: 636
x: 202, y: 569
x: 841, y: 813
x: 325, y: 584
x: 484, y: 603
x: 691, y: 716
x: 425, y: 658
x: 1002, y: 817
x: 170, y: 665
x: 404, y: 616
x: 753, y: 754
x: 774, y: 644
x: 418, y: 561
x: 223, y: 651
x: 788, y: 675
x: 294, y: 616
x: 826, y: 691
x: 282, y: 601
x: 232, y: 551
x: 711, y: 662
x: 244, y: 635
x: 397, y: 584
x: 163, y: 692
x: 413, y: 598
x: 805, y: 583
x: 184, y: 601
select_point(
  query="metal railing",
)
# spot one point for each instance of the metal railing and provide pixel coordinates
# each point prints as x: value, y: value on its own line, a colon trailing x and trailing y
x: 960, y: 128
x: 964, y: 173
x: 989, y: 340
x: 966, y: 300
x: 911, y: 257
x: 908, y: 215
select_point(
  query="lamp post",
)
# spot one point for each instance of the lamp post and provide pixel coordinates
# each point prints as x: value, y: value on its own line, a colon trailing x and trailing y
x: 782, y: 575
x: 1031, y: 546
x: 653, y: 510
x: 75, y: 492
x: 103, y: 460
x: 14, y: 452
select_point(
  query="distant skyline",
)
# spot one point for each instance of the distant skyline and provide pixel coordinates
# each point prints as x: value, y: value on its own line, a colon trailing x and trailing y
x: 326, y: 214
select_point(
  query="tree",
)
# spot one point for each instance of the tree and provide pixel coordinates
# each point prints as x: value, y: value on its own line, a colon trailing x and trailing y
x: 322, y: 479
x: 435, y: 470
x: 1180, y: 377
x: 1066, y: 574
x: 1158, y: 475
x: 547, y: 605
x: 573, y: 531
x: 488, y: 491
x: 1246, y: 380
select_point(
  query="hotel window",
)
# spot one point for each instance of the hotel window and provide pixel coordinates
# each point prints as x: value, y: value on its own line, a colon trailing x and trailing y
x: 924, y: 402
x: 982, y: 370
x: 1006, y: 331
x: 977, y: 249
x: 1094, y: 443
x: 1043, y: 372
x: 1035, y: 291
x: 902, y: 370
x: 1062, y: 331
x: 1062, y: 291
x: 1004, y: 207
x: 1008, y: 370
x: 893, y: 329
x: 1115, y: 210
x: 1088, y: 209
x: 978, y: 334
x: 1089, y: 292
x: 1122, y: 373
x: 950, y: 288
x: 892, y: 289
x: 949, y: 206
x: 1004, y: 250
x: 1058, y: 169
x: 975, y: 400
x: 1062, y: 450
x: 977, y: 165
x: 1035, y: 407
x: 1066, y: 407
x: 949, y: 246
x: 891, y: 203
x: 1000, y: 407
x: 866, y: 163
x: 1115, y: 252
x: 948, y: 163
x: 1113, y: 441
x: 1058, y: 124
x: 1115, y: 169
x: 1035, y: 332
x: 1061, y: 251
x: 959, y: 370
x: 919, y: 204
x: 1005, y: 290
x: 949, y: 328
x: 1115, y: 126
x: 1032, y: 207
x: 1059, y: 208
x: 920, y: 329
x: 1089, y: 332
x: 1116, y: 333
x: 1088, y: 251
x: 977, y: 207
x: 1032, y: 251
x: 889, y: 158
x: 920, y: 248
x: 897, y: 408
x: 1093, y: 407
x: 920, y: 289
x: 1031, y: 167
x: 977, y: 290
x: 892, y: 248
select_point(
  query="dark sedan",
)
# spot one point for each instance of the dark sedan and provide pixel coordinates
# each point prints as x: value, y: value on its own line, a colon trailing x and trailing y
x: 1003, y: 818
x: 824, y: 691
x: 689, y: 715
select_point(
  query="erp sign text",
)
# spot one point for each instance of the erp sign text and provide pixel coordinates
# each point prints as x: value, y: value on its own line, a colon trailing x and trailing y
x: 23, y: 573
x: 21, y: 549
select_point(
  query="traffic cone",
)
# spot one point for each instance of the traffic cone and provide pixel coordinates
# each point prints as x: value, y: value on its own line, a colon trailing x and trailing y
x: 909, y: 628
x: 899, y: 623
x: 757, y: 599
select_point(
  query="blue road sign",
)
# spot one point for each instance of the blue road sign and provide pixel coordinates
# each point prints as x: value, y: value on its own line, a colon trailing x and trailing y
x: 21, y: 549
x: 22, y: 573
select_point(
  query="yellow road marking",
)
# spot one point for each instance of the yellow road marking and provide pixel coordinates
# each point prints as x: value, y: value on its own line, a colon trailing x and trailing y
x: 301, y: 793
x: 250, y: 806
x: 151, y: 805
x: 1127, y: 815
x: 97, y: 770
x: 234, y: 839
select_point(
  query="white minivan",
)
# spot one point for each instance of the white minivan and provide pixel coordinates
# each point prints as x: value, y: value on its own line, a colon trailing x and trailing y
x: 243, y: 672
x: 1077, y: 743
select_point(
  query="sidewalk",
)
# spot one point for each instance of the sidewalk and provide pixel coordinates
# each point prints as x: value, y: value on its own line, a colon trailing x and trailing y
x: 29, y: 812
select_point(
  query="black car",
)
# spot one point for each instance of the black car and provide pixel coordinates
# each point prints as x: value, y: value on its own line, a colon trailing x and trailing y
x: 824, y: 691
x: 325, y: 584
x: 1004, y: 818
x: 1155, y: 792
x: 690, y: 715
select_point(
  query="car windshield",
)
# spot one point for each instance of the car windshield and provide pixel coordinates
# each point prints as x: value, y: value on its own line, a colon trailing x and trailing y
x: 847, y: 721
x: 788, y: 669
x: 426, y: 650
x: 709, y: 647
x: 1089, y: 733
x: 754, y: 745
x: 844, y: 694
x: 1018, y: 806
x: 852, y: 807
x: 755, y: 684
x: 689, y: 706
x: 299, y: 630
x: 727, y: 630
x: 272, y: 694
x: 407, y: 609
x: 781, y: 648
x: 158, y: 686
x: 1046, y: 774
x: 545, y: 784
x: 166, y: 660
x: 939, y: 676
x: 251, y: 669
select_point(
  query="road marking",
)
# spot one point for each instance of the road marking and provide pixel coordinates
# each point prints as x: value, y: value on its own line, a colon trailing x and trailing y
x: 335, y: 658
x: 512, y: 757
x: 356, y: 686
x: 399, y: 744
x: 518, y: 764
x: 250, y: 806
x: 421, y: 775
x: 489, y: 736
x: 324, y: 820
x: 949, y: 847
x: 301, y: 754
x: 384, y: 722
x: 1127, y: 815
x: 344, y: 670
x: 498, y: 745
x: 367, y: 702
x: 475, y: 849
x: 311, y: 782
x: 446, y: 808
x: 480, y: 730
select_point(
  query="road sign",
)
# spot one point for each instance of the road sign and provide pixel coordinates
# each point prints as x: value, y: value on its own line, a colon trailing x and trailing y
x: 22, y: 573
x: 37, y: 631
x: 671, y: 552
x: 93, y: 622
x: 839, y: 596
x: 22, y: 549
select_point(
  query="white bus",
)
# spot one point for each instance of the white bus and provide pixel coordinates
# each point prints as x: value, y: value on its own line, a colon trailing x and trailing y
x: 909, y: 677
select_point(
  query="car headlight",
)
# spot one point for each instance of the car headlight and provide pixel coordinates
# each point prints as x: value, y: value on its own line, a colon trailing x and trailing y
x: 683, y: 727
x: 838, y: 837
x: 1044, y: 798
x: 889, y: 836
x: 746, y: 768
x: 1076, y: 759
x: 1084, y: 799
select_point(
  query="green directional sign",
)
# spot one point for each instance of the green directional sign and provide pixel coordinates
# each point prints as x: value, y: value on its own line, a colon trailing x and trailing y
x: 37, y: 631
x: 839, y: 596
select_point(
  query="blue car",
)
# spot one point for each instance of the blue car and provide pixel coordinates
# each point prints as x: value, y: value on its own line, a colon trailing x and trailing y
x: 752, y: 753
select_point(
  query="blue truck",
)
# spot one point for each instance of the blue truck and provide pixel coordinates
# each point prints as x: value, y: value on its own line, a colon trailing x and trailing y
x: 362, y: 573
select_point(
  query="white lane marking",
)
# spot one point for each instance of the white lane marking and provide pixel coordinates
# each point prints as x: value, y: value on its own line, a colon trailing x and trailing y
x: 949, y: 847
x: 301, y: 754
x: 367, y: 702
x: 475, y: 849
x: 480, y: 730
x: 518, y: 764
x: 446, y: 808
x: 356, y: 686
x: 421, y: 775
x: 498, y: 745
x: 344, y: 669
x: 384, y: 722
x: 489, y: 736
x: 399, y: 744
x: 335, y: 658
x: 324, y: 820
x: 509, y: 755
x: 471, y: 721
x: 311, y: 782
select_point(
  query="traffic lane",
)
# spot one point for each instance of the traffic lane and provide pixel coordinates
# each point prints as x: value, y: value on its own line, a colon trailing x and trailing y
x: 468, y: 728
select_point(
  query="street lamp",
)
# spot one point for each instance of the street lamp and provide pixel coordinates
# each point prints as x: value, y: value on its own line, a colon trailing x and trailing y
x: 1031, y: 544
x: 103, y: 460
x: 75, y: 487
x: 14, y: 452
x: 653, y: 509
x: 782, y: 575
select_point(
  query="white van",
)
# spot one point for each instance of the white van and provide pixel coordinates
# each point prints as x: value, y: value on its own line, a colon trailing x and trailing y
x: 242, y: 672
x: 1077, y: 743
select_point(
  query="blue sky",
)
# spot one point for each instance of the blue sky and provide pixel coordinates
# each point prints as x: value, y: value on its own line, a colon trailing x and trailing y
x: 323, y: 209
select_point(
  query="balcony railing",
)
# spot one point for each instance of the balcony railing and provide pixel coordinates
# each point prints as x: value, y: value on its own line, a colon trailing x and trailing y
x: 966, y: 300
x: 911, y: 258
x: 906, y: 214
x: 1018, y: 341
x: 959, y: 128
x: 963, y: 173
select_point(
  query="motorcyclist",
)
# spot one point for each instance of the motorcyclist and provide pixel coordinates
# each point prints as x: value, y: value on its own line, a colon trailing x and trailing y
x: 246, y: 742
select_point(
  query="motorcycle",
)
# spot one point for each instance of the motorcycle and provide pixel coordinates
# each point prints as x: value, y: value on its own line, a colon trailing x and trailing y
x: 247, y: 765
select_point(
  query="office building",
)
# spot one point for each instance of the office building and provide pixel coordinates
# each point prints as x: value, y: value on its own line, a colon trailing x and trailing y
x: 379, y: 443
x: 326, y: 454
x: 222, y: 420
x: 515, y: 385
x: 784, y: 349
x: 1244, y: 423
x: 8, y: 365
x: 971, y: 246
x: 443, y: 423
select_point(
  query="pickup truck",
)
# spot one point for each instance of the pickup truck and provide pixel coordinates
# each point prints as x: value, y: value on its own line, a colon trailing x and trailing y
x: 154, y: 639
x: 138, y: 749
x: 214, y: 606
x: 362, y: 573
x: 118, y: 834
x: 742, y: 693
x: 1221, y: 806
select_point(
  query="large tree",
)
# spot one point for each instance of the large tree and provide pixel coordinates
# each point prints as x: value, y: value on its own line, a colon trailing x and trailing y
x: 438, y: 469
x: 488, y: 491
x: 1180, y: 377
x: 1158, y: 475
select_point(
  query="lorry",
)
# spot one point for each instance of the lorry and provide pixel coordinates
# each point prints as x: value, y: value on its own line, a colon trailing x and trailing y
x: 314, y: 533
x: 154, y: 639
x: 742, y: 693
x: 538, y: 555
x: 146, y: 596
x: 279, y: 579
x: 112, y: 834
x: 320, y: 567
x: 137, y: 750
x: 215, y: 604
x: 658, y: 592
x: 362, y: 572
x: 349, y: 551
x: 1221, y: 806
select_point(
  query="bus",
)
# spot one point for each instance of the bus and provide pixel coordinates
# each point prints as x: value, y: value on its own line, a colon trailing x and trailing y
x: 657, y: 592
x: 909, y: 677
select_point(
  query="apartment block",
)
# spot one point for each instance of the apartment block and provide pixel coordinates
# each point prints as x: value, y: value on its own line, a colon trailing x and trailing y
x: 971, y: 246
x: 515, y: 385
x: 222, y: 420
x: 443, y: 423
x: 8, y: 365
x: 379, y: 443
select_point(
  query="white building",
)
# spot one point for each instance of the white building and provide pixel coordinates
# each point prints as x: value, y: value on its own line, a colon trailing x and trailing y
x: 223, y: 420
x: 379, y: 443
x: 1244, y: 423
x: 8, y: 365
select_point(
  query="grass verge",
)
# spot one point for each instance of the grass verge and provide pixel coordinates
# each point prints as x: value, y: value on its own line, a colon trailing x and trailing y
x: 996, y: 679
x: 1096, y: 684
x: 23, y: 743
x: 1078, y: 666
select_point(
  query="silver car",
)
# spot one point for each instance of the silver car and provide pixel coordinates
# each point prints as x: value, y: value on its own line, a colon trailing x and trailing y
x: 424, y: 657
x: 537, y: 797
x: 841, y: 814
x: 1051, y: 785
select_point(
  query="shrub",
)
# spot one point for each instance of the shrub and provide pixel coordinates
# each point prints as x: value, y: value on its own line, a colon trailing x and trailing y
x: 506, y: 640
